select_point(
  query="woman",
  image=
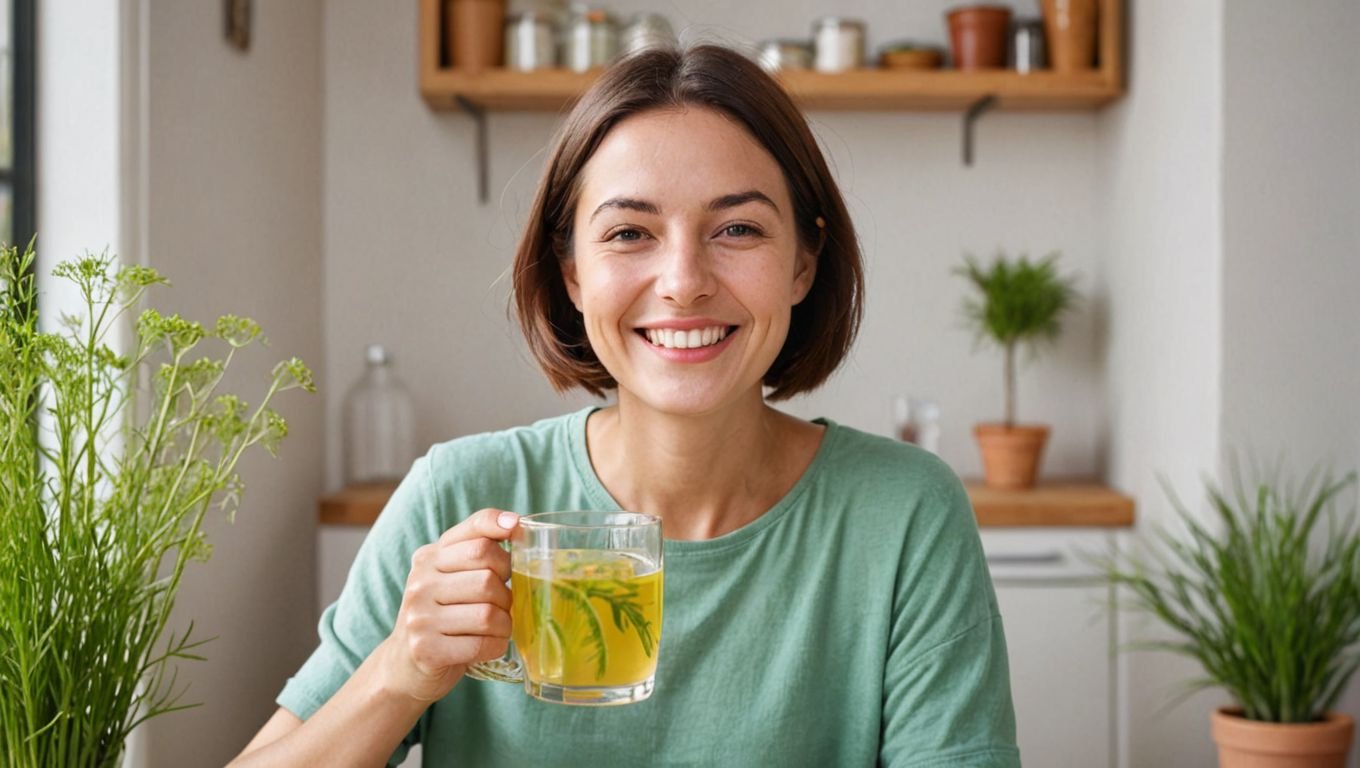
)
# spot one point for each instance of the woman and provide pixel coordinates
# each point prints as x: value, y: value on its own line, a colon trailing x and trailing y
x: 827, y: 602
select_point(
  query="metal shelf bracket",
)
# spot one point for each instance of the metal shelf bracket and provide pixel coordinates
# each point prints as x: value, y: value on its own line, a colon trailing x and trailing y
x: 478, y: 115
x: 975, y: 110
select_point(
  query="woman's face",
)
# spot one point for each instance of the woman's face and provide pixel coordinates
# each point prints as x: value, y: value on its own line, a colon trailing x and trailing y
x: 686, y: 263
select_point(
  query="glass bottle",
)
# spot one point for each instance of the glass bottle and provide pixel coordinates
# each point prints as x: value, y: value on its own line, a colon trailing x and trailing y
x: 379, y: 422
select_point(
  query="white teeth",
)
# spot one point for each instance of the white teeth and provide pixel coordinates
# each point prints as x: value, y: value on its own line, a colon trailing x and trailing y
x: 673, y: 339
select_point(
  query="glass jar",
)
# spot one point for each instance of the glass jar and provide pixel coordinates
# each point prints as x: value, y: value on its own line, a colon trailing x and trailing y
x: 776, y: 55
x: 647, y: 30
x: 592, y: 40
x: 530, y: 41
x: 379, y: 423
x: 839, y: 44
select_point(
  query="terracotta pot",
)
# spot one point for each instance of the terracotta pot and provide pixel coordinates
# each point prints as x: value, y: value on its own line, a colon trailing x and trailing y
x: 1011, y: 455
x: 1246, y: 743
x: 1070, y: 29
x: 475, y: 33
x: 977, y: 36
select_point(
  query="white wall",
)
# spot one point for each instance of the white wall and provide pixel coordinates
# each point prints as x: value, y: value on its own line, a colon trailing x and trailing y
x: 1291, y: 214
x: 233, y: 218
x: 1161, y: 189
x: 413, y: 261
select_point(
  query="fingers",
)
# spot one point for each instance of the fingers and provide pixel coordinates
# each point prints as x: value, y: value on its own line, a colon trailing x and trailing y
x: 493, y: 524
x: 462, y: 588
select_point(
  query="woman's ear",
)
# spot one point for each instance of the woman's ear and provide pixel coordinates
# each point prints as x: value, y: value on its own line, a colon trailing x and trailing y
x: 805, y: 271
x: 568, y: 267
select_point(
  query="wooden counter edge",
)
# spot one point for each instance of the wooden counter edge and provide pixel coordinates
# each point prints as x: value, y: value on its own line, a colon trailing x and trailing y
x: 1052, y: 504
x: 1057, y: 503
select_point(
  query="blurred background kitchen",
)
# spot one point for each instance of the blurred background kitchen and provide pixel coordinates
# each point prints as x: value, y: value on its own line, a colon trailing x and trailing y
x: 1210, y: 206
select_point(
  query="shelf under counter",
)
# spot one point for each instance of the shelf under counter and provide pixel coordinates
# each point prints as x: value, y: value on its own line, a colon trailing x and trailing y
x: 1054, y: 503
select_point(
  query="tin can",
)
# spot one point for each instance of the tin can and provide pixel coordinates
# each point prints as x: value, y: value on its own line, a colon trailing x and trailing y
x: 530, y: 41
x: 775, y: 55
x: 1027, y: 46
x: 839, y: 44
x: 647, y: 30
x: 592, y: 40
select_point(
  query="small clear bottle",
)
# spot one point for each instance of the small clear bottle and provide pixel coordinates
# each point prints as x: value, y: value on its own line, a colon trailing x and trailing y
x: 379, y: 423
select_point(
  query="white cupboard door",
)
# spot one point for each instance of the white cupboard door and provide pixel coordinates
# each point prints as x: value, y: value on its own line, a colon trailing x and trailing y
x: 1058, y: 640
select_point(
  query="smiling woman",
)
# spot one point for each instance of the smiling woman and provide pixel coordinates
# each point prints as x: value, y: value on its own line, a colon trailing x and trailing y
x: 826, y: 597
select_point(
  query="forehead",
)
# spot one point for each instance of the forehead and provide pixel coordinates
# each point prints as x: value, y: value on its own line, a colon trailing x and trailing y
x: 679, y: 158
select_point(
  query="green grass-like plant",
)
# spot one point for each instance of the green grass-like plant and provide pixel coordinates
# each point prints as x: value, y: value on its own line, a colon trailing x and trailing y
x: 1268, y: 606
x: 1017, y: 302
x: 105, y: 484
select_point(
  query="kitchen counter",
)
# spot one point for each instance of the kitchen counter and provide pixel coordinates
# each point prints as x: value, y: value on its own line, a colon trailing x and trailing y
x: 1054, y: 503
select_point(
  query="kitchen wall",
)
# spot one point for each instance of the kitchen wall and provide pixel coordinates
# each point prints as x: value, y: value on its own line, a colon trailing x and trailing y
x: 232, y: 214
x: 1291, y: 238
x: 1160, y: 186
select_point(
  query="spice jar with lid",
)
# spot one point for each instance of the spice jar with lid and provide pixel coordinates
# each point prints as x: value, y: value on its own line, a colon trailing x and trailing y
x: 592, y: 39
x: 776, y: 55
x: 647, y: 30
x: 839, y: 44
x: 530, y: 41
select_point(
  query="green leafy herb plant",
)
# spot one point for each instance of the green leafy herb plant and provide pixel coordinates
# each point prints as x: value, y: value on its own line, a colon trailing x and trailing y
x: 1017, y: 302
x: 1262, y: 598
x: 106, y: 478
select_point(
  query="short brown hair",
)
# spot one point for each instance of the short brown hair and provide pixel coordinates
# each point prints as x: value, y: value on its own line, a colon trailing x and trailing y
x: 823, y: 326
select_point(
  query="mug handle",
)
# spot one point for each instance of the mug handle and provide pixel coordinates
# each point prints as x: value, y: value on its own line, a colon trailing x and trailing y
x: 506, y: 669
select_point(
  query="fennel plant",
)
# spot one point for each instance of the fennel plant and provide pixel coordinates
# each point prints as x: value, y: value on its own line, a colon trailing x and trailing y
x: 1270, y: 605
x: 106, y: 477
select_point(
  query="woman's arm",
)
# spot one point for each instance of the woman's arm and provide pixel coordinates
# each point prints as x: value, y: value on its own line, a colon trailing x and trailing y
x: 454, y: 611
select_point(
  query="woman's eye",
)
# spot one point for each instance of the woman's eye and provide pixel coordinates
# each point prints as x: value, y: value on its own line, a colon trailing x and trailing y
x: 625, y: 235
x: 740, y: 230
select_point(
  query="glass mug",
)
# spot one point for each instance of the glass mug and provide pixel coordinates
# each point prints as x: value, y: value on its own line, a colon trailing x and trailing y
x: 586, y: 608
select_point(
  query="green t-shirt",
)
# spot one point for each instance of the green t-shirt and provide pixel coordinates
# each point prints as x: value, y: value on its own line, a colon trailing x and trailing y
x: 853, y: 623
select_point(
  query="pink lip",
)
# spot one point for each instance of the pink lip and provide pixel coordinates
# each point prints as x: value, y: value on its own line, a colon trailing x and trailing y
x: 695, y: 355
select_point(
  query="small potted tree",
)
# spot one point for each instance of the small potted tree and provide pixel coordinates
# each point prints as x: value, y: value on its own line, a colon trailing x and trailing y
x: 1016, y: 303
x: 1269, y: 608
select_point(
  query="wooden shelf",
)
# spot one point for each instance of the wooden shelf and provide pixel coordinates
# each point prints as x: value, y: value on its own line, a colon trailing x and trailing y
x: 355, y: 504
x: 1056, y: 504
x: 864, y: 89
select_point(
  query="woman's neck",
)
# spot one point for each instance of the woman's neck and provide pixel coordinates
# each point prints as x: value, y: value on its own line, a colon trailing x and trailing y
x: 704, y: 475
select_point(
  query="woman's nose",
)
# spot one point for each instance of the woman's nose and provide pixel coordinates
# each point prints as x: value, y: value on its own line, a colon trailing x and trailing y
x: 686, y: 272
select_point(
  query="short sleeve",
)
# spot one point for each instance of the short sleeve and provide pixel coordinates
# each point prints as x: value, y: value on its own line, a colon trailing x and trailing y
x: 947, y: 698
x: 365, y: 613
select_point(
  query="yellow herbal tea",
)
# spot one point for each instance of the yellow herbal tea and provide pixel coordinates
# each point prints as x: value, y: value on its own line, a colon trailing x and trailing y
x: 587, y: 618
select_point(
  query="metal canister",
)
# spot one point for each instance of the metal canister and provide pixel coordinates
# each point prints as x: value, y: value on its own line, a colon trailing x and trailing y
x: 785, y: 54
x: 592, y: 40
x: 530, y: 41
x: 647, y: 30
x: 839, y: 44
x: 1027, y: 45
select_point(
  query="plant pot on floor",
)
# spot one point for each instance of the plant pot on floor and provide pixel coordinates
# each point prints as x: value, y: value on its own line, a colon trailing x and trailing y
x: 1244, y: 743
x: 1011, y: 455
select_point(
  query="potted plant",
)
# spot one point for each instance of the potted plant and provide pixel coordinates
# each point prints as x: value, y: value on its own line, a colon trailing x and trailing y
x: 1269, y: 608
x: 1017, y: 303
x: 106, y: 478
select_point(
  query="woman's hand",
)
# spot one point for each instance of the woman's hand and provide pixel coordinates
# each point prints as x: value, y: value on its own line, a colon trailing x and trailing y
x: 455, y: 610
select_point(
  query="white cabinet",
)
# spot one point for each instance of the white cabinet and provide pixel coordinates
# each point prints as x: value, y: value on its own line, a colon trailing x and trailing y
x: 1059, y: 623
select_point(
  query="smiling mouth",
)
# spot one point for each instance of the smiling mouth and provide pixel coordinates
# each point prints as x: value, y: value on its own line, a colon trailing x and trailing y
x: 668, y: 338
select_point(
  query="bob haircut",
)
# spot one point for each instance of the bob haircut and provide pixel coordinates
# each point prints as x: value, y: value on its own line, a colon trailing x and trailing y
x: 822, y: 327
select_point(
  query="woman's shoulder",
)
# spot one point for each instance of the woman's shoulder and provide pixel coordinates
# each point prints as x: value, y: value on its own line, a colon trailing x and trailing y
x: 861, y: 458
x: 545, y: 437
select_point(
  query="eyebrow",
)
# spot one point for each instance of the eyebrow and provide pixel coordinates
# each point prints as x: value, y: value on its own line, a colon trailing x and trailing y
x: 717, y: 204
